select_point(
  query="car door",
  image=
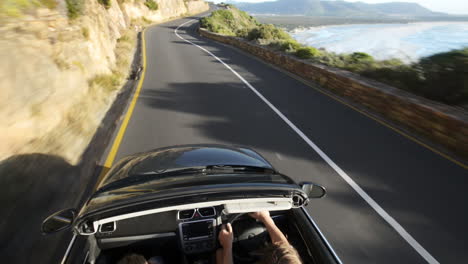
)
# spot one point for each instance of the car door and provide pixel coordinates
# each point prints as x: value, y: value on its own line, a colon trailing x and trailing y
x: 317, y: 245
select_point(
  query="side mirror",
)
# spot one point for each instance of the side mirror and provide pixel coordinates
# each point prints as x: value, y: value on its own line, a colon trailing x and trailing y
x: 313, y: 190
x: 58, y: 221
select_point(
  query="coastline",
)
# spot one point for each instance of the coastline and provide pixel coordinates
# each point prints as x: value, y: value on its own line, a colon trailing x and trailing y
x: 288, y: 22
x: 408, y: 42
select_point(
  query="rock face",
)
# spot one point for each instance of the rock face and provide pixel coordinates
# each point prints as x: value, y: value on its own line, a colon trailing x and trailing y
x: 46, y: 61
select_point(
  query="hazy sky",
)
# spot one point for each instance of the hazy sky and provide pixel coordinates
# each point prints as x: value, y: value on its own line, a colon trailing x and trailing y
x: 447, y: 6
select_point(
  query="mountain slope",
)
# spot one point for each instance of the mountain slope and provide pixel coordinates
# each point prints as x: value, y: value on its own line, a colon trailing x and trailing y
x: 337, y: 8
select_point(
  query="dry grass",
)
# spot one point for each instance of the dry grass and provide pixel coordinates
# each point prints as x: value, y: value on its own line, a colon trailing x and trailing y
x: 80, y: 121
x: 61, y: 64
x: 124, y: 51
x: 85, y: 32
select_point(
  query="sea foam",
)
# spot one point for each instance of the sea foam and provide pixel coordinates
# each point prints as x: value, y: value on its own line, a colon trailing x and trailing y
x: 408, y: 42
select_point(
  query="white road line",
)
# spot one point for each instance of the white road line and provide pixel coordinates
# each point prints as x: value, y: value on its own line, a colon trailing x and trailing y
x: 390, y: 220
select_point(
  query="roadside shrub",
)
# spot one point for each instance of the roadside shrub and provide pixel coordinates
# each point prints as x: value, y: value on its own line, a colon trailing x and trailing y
x: 392, y: 63
x: 225, y: 14
x: 306, y: 52
x: 268, y: 32
x: 109, y: 82
x: 406, y: 77
x: 124, y: 38
x: 232, y: 22
x: 254, y: 34
x: 290, y: 46
x: 243, y: 32
x: 204, y: 22
x: 74, y: 8
x: 105, y: 3
x: 446, y: 76
x: 152, y: 5
x: 361, y: 57
x: 221, y: 21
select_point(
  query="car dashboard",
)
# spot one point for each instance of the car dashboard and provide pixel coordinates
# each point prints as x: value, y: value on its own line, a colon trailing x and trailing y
x: 194, y: 229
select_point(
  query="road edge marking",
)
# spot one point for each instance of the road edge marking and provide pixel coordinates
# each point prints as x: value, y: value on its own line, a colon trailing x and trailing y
x: 379, y: 120
x: 444, y: 152
x: 389, y: 219
x: 123, y: 126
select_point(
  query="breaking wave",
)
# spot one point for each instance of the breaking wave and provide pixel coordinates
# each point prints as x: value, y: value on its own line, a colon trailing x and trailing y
x: 408, y: 42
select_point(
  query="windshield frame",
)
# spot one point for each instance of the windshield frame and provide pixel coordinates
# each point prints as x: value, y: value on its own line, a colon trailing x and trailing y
x: 128, y: 204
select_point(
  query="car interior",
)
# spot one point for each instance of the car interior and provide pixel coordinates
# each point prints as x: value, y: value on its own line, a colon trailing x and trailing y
x: 190, y: 236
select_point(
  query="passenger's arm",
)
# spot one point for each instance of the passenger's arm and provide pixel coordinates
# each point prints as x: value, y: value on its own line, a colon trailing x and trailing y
x: 277, y: 237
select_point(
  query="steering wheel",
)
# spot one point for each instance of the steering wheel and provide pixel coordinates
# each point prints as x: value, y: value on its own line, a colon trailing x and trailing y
x: 249, y: 237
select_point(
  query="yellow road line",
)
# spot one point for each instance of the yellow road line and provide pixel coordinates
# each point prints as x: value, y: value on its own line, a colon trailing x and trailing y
x: 465, y: 166
x: 123, y: 127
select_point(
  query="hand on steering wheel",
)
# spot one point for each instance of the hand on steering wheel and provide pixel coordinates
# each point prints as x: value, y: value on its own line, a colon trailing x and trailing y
x: 247, y: 236
x: 226, y: 236
x: 260, y: 216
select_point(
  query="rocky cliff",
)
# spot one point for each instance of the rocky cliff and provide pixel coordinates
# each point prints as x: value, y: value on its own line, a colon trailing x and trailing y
x: 59, y: 73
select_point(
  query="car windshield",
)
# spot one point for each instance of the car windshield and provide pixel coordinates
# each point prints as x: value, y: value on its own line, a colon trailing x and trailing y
x: 190, y: 178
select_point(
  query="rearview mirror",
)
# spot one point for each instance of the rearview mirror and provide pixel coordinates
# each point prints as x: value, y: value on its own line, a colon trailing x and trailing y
x: 313, y: 190
x: 58, y: 221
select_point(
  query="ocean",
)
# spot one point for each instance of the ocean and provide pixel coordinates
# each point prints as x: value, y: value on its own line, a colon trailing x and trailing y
x: 408, y: 42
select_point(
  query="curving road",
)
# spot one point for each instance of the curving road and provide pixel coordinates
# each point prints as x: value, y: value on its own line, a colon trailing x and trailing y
x: 389, y: 200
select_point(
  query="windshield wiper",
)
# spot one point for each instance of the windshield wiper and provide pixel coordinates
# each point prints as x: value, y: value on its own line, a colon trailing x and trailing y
x: 208, y: 170
x: 197, y: 169
x: 239, y: 168
x: 140, y: 177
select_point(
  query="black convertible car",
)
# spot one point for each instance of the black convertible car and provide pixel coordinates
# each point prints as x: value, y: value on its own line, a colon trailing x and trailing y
x: 171, y: 203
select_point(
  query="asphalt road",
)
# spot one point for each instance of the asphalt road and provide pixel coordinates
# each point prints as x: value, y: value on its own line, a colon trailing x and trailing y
x: 190, y: 97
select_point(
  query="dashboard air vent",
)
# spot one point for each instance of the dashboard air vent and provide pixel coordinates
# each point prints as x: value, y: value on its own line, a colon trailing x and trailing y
x: 207, y: 211
x: 186, y: 214
x: 107, y: 228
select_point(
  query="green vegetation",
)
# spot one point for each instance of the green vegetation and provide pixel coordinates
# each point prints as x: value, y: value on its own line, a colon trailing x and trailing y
x: 306, y: 52
x: 105, y: 3
x: 16, y: 8
x: 123, y: 50
x: 110, y: 82
x: 446, y: 75
x: 442, y: 77
x: 51, y: 4
x: 74, y: 8
x: 230, y: 22
x: 152, y: 5
x: 268, y: 32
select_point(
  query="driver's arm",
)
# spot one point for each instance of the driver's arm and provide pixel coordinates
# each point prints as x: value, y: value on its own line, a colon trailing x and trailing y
x: 225, y: 237
x: 277, y: 237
